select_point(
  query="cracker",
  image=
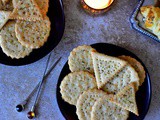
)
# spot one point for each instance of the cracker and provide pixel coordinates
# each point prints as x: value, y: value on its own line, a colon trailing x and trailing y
x: 32, y: 34
x: 4, y: 16
x: 5, y: 1
x: 86, y: 102
x: 42, y: 4
x: 126, y: 99
x: 27, y: 10
x: 121, y: 80
x: 9, y: 43
x: 137, y: 66
x: 75, y: 84
x: 104, y: 109
x: 106, y: 67
x: 80, y: 59
x: 15, y: 3
x: 1, y: 5
x: 7, y: 6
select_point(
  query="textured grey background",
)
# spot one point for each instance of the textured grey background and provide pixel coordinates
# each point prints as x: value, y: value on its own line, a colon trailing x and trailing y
x: 81, y: 28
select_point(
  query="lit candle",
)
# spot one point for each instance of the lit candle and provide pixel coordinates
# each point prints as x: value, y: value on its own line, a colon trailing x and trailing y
x: 96, y: 6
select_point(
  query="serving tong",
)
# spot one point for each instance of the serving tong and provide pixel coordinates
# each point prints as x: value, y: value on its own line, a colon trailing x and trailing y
x: 20, y: 107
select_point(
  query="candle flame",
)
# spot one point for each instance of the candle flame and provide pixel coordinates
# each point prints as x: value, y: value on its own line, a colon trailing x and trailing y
x: 98, y: 4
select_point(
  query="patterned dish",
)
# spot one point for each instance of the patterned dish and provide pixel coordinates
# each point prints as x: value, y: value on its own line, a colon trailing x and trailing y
x: 136, y: 20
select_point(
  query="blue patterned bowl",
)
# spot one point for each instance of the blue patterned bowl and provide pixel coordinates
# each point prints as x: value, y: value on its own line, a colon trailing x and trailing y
x: 136, y: 20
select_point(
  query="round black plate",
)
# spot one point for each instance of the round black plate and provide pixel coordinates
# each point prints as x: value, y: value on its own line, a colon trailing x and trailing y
x: 143, y: 96
x: 56, y: 16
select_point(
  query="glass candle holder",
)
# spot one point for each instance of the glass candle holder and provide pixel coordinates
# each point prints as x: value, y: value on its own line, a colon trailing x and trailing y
x: 96, y: 11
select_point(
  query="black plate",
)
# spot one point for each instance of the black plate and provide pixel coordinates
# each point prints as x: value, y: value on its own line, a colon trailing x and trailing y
x: 143, y: 96
x: 56, y: 16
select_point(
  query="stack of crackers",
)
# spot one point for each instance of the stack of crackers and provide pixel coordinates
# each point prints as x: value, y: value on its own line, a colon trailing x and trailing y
x: 24, y: 26
x: 101, y: 86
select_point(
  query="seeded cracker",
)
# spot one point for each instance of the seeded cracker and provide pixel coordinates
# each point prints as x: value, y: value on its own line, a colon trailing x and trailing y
x: 32, y: 34
x: 27, y: 10
x: 121, y: 80
x: 4, y: 16
x: 9, y: 43
x: 80, y: 59
x: 104, y: 109
x: 126, y: 99
x: 15, y: 2
x: 75, y: 84
x: 137, y: 66
x: 7, y: 6
x: 106, y: 67
x: 5, y: 1
x: 42, y: 4
x: 86, y: 102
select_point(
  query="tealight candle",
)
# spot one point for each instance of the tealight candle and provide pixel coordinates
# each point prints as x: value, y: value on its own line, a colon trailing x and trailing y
x: 96, y: 6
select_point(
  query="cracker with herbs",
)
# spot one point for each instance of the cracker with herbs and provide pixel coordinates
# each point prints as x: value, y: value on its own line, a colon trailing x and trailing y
x: 4, y: 17
x: 80, y: 59
x: 42, y: 4
x: 9, y: 43
x: 27, y: 10
x: 33, y: 34
x: 105, y: 109
x: 74, y: 84
x: 121, y: 80
x: 86, y: 102
x: 126, y: 99
x: 106, y: 67
x: 137, y: 66
x: 6, y: 1
x: 8, y: 6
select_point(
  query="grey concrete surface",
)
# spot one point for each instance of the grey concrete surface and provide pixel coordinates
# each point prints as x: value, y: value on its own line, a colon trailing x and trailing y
x: 81, y: 28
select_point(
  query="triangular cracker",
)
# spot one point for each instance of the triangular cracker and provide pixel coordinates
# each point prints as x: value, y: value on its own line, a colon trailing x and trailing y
x: 104, y: 109
x: 124, y: 78
x: 106, y: 67
x: 137, y: 66
x: 126, y: 99
x: 4, y: 16
x: 27, y: 10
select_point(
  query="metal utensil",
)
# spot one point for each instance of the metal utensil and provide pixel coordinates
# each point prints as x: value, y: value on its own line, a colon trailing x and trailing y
x: 31, y: 114
x: 20, y: 107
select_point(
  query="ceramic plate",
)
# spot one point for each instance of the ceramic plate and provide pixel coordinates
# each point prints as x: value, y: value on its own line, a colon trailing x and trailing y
x: 56, y: 15
x: 143, y: 96
x: 137, y: 19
